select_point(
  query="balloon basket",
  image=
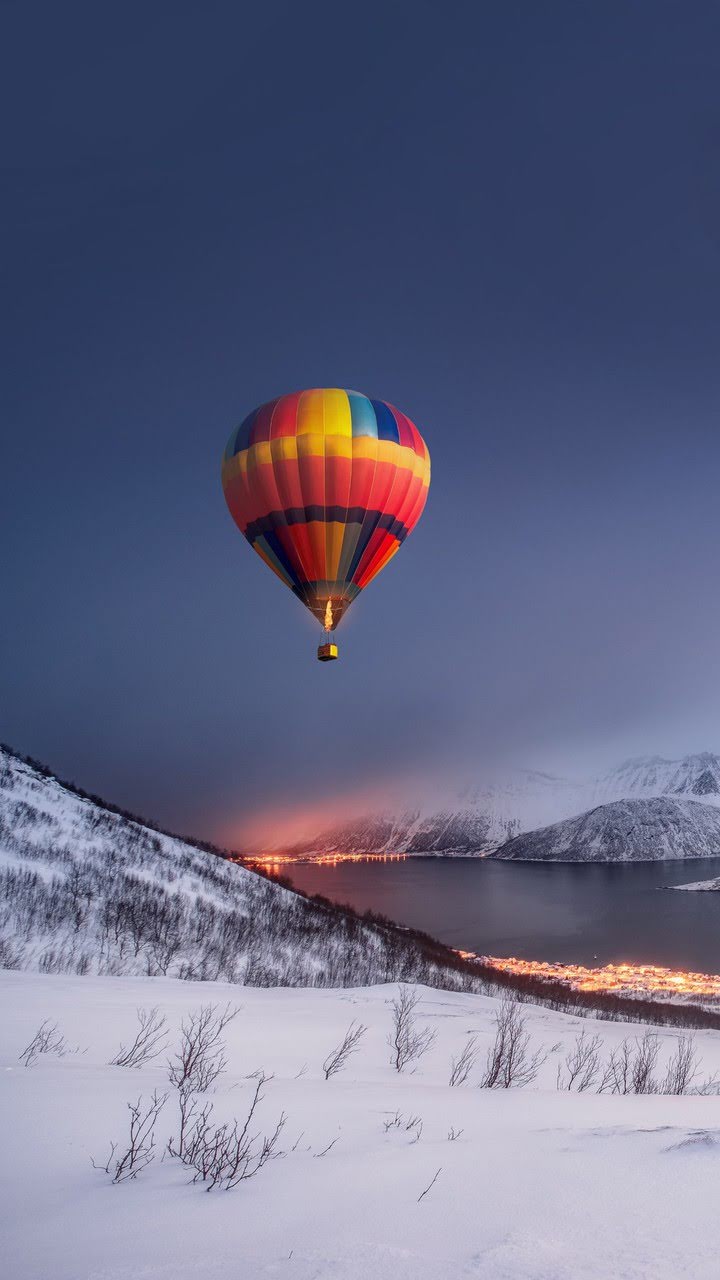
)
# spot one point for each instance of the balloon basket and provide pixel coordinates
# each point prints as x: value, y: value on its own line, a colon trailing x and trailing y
x: 327, y: 652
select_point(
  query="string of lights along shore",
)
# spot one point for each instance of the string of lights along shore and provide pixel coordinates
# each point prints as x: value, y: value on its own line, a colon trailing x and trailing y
x: 326, y: 485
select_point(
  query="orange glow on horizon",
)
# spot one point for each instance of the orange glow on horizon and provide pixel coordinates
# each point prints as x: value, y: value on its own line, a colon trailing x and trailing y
x: 620, y: 979
x: 278, y: 827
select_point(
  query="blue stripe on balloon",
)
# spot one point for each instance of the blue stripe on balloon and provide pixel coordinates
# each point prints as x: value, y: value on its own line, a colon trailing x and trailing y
x: 387, y: 427
x: 364, y: 422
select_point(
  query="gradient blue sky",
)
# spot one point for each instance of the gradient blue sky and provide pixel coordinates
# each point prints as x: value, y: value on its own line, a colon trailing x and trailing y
x: 504, y: 218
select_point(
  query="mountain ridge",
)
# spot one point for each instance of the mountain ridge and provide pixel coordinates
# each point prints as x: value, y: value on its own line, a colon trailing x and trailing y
x: 657, y: 829
x: 487, y: 816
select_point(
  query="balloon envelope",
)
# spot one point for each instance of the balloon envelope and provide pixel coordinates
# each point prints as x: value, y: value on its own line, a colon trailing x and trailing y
x: 326, y: 485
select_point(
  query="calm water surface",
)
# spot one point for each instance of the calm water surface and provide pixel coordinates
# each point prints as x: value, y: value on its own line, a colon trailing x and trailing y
x: 582, y: 914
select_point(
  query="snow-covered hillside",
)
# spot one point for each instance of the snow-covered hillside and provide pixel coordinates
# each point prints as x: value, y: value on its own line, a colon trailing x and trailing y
x: 87, y: 890
x: 702, y: 886
x: 624, y: 831
x: 481, y: 817
x: 383, y: 1175
x: 695, y: 776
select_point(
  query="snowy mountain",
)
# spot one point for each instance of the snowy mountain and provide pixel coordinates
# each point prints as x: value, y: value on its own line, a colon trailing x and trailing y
x: 88, y: 889
x: 476, y: 820
x: 624, y: 831
x: 479, y: 818
x: 696, y: 775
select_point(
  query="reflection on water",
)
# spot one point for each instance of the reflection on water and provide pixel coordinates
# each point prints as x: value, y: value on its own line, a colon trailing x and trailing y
x: 557, y: 912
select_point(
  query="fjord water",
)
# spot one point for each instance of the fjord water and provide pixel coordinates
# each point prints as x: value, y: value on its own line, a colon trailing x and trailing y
x: 586, y: 914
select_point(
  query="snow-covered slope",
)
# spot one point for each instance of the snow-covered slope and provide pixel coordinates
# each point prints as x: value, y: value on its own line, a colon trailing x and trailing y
x: 624, y: 831
x: 479, y: 818
x: 696, y: 776
x: 87, y: 890
x: 527, y: 1184
x: 702, y: 886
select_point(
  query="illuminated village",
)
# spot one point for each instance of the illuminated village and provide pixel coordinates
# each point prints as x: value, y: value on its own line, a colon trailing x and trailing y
x: 622, y: 979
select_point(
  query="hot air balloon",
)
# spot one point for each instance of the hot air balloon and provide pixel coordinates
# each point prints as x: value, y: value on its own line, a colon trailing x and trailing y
x: 326, y: 485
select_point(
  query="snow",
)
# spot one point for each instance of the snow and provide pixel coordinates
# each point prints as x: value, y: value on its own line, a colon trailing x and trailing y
x: 702, y: 886
x: 540, y: 1185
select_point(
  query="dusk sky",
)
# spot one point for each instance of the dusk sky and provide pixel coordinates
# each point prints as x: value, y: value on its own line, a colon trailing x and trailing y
x: 503, y: 218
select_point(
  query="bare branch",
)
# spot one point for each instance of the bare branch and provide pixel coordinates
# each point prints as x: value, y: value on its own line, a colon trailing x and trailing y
x: 682, y: 1068
x: 407, y: 1042
x: 582, y: 1064
x: 47, y: 1039
x: 630, y: 1067
x: 338, y: 1058
x: 461, y: 1066
x: 140, y: 1150
x: 430, y: 1184
x: 201, y: 1056
x: 225, y: 1155
x: 319, y: 1154
x: 509, y: 1063
x: 148, y: 1043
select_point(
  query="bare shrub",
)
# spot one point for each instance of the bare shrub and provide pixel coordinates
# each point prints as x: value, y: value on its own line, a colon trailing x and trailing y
x: 194, y: 1125
x: 414, y: 1126
x: 461, y: 1066
x: 682, y: 1068
x: 682, y: 1071
x: 708, y: 1088
x: 407, y: 1042
x: 338, y: 1057
x: 509, y: 1063
x: 149, y: 1042
x: 201, y: 1056
x: 582, y: 1064
x: 394, y: 1122
x: 225, y: 1155
x: 454, y: 1134
x: 630, y: 1067
x: 616, y: 1072
x: 47, y: 1039
x: 405, y: 1124
x: 646, y: 1056
x: 12, y: 956
x: 140, y: 1149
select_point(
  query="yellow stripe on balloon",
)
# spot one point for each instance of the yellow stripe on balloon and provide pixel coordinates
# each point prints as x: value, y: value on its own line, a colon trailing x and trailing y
x: 311, y: 414
x: 337, y: 415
